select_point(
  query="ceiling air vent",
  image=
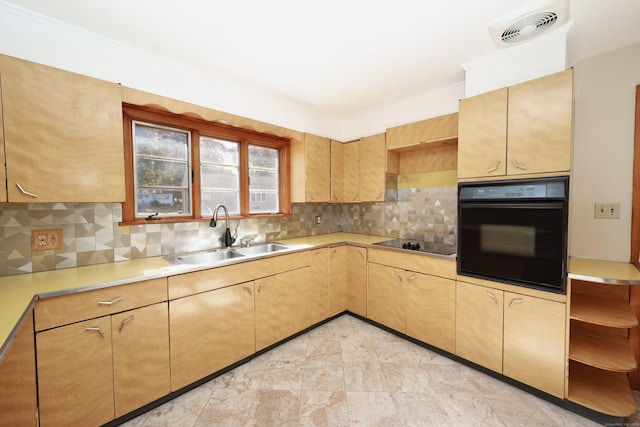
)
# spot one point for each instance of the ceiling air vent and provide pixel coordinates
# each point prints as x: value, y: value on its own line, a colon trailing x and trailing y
x: 530, y: 22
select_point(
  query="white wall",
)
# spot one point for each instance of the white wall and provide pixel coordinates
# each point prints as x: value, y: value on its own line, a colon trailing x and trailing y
x: 603, y: 153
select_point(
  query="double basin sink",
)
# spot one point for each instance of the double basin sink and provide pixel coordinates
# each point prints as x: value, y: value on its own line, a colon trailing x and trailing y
x: 221, y: 256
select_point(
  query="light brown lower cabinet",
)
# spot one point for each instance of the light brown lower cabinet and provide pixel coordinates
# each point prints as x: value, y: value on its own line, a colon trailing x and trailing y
x: 18, y: 393
x: 348, y: 279
x: 520, y: 336
x: 93, y: 371
x: 281, y: 306
x: 75, y: 374
x: 431, y: 310
x: 210, y: 331
x: 318, y: 295
x: 386, y: 296
x: 479, y: 325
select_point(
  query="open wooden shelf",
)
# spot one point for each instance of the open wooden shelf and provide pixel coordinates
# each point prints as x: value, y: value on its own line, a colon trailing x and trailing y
x: 600, y: 350
x: 602, y: 311
x: 603, y: 391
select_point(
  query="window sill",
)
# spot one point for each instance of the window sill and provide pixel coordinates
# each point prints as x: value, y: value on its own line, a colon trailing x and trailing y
x: 184, y: 219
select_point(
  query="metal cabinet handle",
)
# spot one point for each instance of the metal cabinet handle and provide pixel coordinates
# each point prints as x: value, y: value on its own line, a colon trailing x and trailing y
x: 492, y: 296
x: 518, y: 165
x: 25, y: 192
x: 379, y: 196
x: 113, y: 301
x: 398, y: 275
x: 412, y: 278
x: 315, y: 256
x: 494, y: 168
x: 98, y: 330
x: 247, y: 290
x: 516, y: 301
x: 360, y: 253
x: 125, y: 321
x: 261, y: 285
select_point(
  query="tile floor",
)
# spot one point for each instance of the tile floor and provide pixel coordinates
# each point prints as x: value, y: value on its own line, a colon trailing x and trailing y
x: 350, y: 373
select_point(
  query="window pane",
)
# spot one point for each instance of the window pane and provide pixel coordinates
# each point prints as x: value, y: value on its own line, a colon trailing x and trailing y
x: 263, y: 157
x: 161, y: 170
x: 219, y: 151
x: 162, y: 201
x: 264, y: 201
x: 163, y: 173
x: 263, y: 179
x: 210, y: 199
x: 220, y: 177
x: 160, y: 142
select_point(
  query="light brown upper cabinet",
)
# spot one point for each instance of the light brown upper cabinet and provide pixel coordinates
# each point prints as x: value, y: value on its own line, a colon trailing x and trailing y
x: 435, y: 130
x: 63, y: 135
x: 372, y: 168
x: 358, y: 170
x: 525, y: 129
x: 311, y: 169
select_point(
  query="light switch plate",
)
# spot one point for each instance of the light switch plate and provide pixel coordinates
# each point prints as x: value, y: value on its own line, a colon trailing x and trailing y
x: 43, y: 240
x: 607, y: 210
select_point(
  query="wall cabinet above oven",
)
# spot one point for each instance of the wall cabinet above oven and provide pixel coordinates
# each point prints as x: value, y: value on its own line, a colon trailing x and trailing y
x: 521, y: 130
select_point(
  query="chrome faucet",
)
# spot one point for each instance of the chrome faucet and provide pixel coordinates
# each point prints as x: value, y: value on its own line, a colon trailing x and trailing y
x: 227, y: 239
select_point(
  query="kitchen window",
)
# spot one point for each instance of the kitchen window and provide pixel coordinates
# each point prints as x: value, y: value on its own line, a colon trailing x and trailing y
x: 179, y: 168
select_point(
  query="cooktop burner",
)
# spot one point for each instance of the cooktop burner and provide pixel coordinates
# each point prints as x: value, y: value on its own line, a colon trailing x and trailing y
x: 420, y: 245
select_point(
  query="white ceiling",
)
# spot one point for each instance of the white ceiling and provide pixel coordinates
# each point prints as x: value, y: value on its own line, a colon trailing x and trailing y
x: 341, y: 57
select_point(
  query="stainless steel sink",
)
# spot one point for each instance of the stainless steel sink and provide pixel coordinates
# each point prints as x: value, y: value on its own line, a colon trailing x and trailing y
x: 209, y: 257
x: 262, y: 249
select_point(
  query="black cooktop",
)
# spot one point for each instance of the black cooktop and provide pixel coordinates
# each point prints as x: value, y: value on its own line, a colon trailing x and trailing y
x: 421, y: 246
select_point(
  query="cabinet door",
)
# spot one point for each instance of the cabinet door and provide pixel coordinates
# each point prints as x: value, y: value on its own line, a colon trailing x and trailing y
x: 210, y: 331
x: 280, y: 306
x: 356, y: 281
x: 337, y: 171
x: 386, y: 296
x: 3, y: 171
x: 63, y: 134
x: 534, y: 342
x: 372, y: 168
x: 75, y: 374
x: 18, y: 394
x: 140, y: 357
x: 338, y: 297
x: 482, y: 135
x: 317, y: 299
x: 479, y: 325
x: 540, y: 125
x: 431, y: 310
x: 351, y: 172
x: 318, y: 174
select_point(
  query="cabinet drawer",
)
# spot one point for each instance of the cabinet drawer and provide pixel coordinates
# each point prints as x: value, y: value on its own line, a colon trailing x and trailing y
x: 419, y: 263
x: 62, y: 310
x: 206, y: 280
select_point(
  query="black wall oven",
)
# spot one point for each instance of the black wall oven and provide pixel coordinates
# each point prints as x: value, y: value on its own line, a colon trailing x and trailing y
x: 514, y: 232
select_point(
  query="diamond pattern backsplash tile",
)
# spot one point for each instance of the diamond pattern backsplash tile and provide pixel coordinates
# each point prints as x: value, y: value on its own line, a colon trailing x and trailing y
x: 91, y: 234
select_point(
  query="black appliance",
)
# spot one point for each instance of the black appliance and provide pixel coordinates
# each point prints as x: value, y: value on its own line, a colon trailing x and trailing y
x: 514, y: 232
x: 420, y: 245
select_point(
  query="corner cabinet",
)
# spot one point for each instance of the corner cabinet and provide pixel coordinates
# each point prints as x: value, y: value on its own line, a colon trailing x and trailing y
x: 599, y: 352
x: 63, y: 135
x: 525, y: 129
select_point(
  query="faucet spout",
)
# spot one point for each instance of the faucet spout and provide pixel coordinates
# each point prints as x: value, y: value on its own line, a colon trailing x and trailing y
x: 227, y: 239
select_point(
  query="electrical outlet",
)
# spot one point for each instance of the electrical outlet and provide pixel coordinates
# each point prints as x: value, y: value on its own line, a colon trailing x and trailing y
x: 43, y: 240
x: 607, y: 210
x: 316, y: 219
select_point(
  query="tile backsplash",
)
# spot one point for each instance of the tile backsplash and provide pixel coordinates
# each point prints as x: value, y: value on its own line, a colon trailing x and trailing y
x: 91, y: 233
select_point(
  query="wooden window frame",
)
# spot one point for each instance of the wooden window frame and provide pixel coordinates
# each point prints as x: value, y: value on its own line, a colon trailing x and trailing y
x: 197, y: 127
x: 635, y: 210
